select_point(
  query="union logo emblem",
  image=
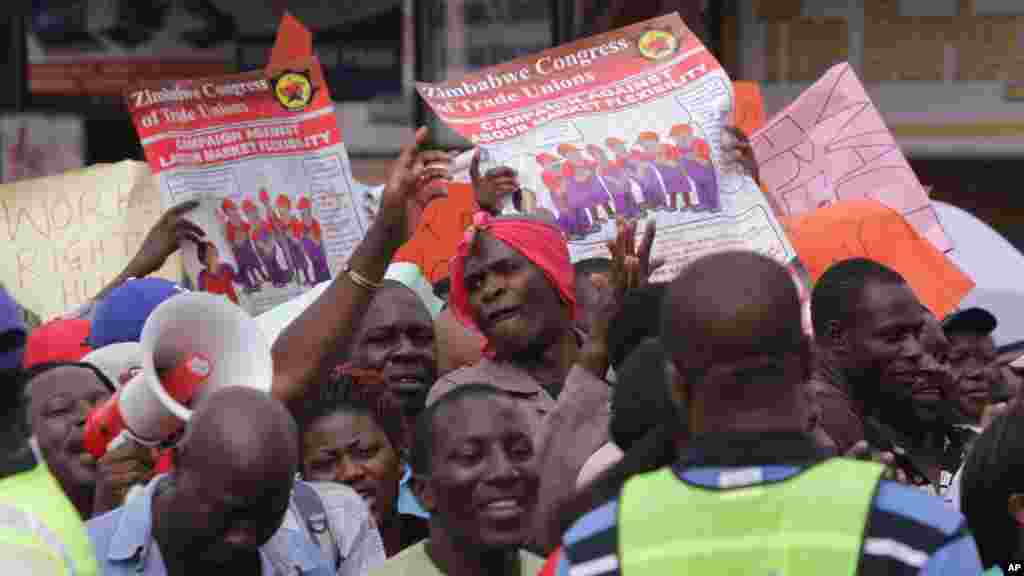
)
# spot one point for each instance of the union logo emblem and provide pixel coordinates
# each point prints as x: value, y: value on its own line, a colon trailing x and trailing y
x: 294, y: 90
x: 657, y: 44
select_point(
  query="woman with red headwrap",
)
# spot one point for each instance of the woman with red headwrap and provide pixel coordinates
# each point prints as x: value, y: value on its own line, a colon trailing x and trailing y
x: 512, y: 281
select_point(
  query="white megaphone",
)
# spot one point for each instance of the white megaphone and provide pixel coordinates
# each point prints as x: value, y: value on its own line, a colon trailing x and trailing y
x: 192, y: 344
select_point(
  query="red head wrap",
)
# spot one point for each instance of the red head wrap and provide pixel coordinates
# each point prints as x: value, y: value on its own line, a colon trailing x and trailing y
x: 284, y: 201
x: 228, y: 204
x: 304, y: 203
x: 264, y: 196
x: 540, y: 242
x: 248, y: 205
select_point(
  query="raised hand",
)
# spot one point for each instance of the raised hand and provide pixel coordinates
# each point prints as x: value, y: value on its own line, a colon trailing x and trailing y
x: 165, y: 238
x: 491, y: 187
x: 741, y: 152
x: 863, y: 451
x: 631, y: 269
x: 407, y: 173
x: 128, y: 465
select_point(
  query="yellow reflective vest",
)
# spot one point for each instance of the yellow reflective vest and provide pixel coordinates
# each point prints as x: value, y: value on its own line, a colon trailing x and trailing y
x: 40, y: 531
x: 809, y: 524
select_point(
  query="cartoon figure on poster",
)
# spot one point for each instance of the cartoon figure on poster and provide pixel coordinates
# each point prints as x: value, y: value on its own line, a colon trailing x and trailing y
x: 644, y: 154
x: 297, y: 257
x: 269, y: 251
x: 253, y: 222
x: 616, y: 182
x: 581, y: 188
x: 694, y: 156
x: 573, y: 222
x: 307, y: 230
x: 216, y: 276
x: 623, y: 158
x: 674, y: 178
x: 237, y: 230
x: 276, y: 226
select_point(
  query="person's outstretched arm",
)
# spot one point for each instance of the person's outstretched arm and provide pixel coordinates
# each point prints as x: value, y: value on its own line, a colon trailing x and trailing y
x: 303, y: 350
x: 162, y: 240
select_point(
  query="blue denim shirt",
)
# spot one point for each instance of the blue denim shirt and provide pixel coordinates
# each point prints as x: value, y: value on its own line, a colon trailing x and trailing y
x: 124, y: 545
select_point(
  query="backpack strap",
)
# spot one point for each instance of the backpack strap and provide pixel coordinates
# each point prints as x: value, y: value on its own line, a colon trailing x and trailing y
x: 314, y: 514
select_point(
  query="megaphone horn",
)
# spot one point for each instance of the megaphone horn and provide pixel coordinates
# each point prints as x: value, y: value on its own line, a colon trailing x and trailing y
x: 192, y: 344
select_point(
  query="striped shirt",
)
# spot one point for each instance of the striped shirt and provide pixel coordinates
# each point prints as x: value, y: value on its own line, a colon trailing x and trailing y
x: 907, y: 532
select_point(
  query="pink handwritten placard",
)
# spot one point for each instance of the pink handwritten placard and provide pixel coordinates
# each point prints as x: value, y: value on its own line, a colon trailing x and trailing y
x: 831, y: 144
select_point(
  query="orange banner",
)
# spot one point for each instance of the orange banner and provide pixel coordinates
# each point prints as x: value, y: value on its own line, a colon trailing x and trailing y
x: 439, y: 232
x: 865, y: 228
x: 750, y: 115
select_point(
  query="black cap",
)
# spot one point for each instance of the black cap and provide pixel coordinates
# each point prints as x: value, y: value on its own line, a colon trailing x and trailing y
x: 976, y: 320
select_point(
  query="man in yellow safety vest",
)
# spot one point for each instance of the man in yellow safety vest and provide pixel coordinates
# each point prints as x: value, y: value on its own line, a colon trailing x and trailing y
x: 751, y: 493
x: 40, y: 531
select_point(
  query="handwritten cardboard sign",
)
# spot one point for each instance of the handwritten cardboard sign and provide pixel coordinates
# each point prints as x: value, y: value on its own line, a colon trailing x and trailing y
x: 64, y: 237
x: 831, y: 144
x: 866, y: 228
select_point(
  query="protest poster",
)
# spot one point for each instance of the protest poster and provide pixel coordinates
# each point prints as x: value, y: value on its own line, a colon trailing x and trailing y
x: 866, y: 228
x: 831, y: 144
x: 627, y: 123
x: 262, y: 153
x: 67, y: 236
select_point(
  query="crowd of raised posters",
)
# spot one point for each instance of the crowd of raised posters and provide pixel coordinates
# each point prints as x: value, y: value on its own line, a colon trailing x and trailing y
x: 413, y: 443
x: 625, y: 124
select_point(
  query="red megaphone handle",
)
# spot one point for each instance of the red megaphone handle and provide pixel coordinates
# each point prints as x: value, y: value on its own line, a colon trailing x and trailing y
x: 165, y: 462
x: 102, y: 426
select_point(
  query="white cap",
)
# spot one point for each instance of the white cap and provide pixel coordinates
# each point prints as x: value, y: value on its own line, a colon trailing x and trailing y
x: 116, y: 359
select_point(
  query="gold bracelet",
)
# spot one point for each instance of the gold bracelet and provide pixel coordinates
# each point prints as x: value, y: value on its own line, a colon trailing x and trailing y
x: 361, y: 281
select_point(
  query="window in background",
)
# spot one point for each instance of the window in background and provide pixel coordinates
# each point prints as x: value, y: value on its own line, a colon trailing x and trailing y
x: 457, y: 36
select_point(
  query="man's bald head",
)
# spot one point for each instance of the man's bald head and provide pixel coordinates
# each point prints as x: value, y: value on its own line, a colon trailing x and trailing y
x: 244, y: 430
x: 732, y: 327
x: 729, y: 306
x: 233, y: 478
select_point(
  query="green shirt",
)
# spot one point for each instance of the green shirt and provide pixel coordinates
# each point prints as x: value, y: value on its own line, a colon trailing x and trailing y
x: 414, y: 561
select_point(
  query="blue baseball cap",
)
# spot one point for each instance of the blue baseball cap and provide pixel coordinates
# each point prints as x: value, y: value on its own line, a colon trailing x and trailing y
x: 120, y: 316
x: 13, y: 332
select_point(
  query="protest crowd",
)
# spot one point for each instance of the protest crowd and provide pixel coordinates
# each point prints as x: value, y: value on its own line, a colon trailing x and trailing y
x: 531, y: 414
